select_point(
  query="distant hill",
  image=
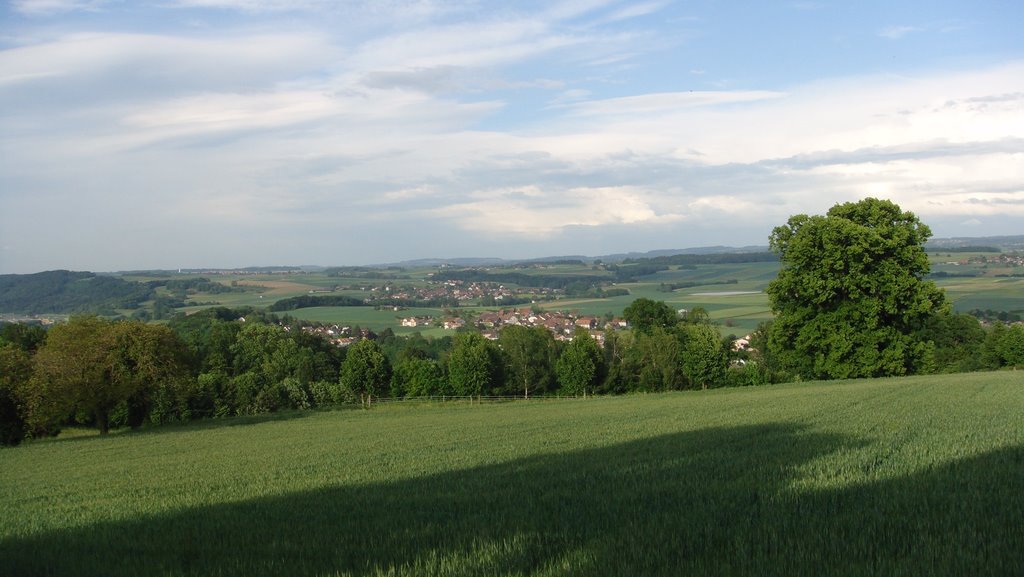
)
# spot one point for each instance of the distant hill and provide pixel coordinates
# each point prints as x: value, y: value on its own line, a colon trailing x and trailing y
x: 63, y: 291
x: 1005, y: 243
x: 618, y: 257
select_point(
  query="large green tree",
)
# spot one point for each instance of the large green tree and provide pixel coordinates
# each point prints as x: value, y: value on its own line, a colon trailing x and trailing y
x: 474, y: 365
x: 151, y: 363
x: 704, y: 359
x: 645, y: 315
x: 580, y: 365
x: 417, y: 377
x: 851, y: 297
x: 651, y: 362
x: 530, y: 354
x: 366, y: 370
x: 15, y: 371
x: 90, y: 366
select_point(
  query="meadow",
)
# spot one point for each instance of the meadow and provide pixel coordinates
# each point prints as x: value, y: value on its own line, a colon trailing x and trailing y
x: 911, y: 476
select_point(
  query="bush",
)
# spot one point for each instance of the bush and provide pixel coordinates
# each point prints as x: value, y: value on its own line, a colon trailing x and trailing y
x: 323, y: 393
x: 297, y: 394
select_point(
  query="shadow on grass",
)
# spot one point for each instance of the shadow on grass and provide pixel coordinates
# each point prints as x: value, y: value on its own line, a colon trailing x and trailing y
x: 82, y: 433
x: 233, y: 421
x: 718, y: 501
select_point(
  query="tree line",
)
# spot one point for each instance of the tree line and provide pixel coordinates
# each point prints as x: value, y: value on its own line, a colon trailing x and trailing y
x: 63, y: 291
x: 851, y: 300
x: 106, y: 374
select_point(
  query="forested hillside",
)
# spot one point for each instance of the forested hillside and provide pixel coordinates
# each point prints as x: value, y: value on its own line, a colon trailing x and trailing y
x: 63, y: 291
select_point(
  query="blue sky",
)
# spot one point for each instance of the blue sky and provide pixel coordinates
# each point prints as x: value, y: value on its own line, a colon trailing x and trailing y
x: 224, y: 133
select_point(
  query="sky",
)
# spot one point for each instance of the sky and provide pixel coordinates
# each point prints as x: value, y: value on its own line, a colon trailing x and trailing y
x: 172, y: 134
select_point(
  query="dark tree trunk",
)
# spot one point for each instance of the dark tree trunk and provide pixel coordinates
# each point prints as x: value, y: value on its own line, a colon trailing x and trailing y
x: 102, y: 422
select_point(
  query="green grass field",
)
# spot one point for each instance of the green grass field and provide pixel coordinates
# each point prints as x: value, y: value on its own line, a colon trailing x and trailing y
x: 914, y: 476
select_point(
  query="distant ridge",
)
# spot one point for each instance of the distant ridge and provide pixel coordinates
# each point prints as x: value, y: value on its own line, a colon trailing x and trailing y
x: 485, y: 261
x: 1015, y: 242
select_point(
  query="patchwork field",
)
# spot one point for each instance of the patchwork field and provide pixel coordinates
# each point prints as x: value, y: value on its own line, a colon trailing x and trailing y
x: 913, y: 476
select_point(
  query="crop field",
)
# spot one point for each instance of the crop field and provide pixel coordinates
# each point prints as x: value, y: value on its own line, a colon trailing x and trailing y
x: 1001, y: 294
x: 913, y: 476
x: 368, y: 317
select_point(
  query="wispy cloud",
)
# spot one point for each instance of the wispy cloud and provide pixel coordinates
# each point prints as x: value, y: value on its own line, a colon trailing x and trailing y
x: 483, y: 128
x: 38, y: 8
x: 668, y: 102
x: 634, y: 11
x: 532, y: 211
x: 897, y: 32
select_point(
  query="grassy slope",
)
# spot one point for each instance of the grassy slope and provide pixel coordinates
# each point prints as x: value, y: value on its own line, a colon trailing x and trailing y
x: 908, y: 476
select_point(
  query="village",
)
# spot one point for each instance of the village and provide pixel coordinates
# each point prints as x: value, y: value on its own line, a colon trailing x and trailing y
x: 1006, y: 259
x: 563, y: 325
x: 455, y: 290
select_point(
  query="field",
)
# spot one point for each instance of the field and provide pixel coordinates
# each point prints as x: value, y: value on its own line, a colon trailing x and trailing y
x: 913, y: 476
x: 368, y: 317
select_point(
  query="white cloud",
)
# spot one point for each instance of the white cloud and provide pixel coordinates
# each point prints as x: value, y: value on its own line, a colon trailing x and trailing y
x: 38, y: 8
x: 668, y: 102
x: 255, y: 5
x: 463, y: 45
x: 532, y: 211
x: 897, y: 32
x: 634, y: 11
x: 156, y: 61
x: 449, y: 125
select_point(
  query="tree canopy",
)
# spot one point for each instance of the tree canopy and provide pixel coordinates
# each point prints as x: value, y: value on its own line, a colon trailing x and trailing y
x: 851, y: 293
x: 580, y: 365
x: 474, y: 365
x: 366, y: 370
x: 645, y: 314
x: 90, y: 366
x: 530, y: 356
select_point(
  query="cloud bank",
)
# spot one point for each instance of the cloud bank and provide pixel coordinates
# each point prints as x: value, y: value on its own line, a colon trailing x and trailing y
x: 376, y: 132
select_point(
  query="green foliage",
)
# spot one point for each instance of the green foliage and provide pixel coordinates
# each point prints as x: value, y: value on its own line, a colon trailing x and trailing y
x: 580, y: 366
x: 148, y: 360
x: 956, y: 341
x: 703, y: 356
x: 645, y: 314
x: 418, y: 377
x: 1003, y: 346
x: 474, y: 365
x: 307, y: 301
x: 713, y: 258
x: 90, y: 366
x: 62, y: 291
x: 15, y: 372
x: 652, y: 361
x: 192, y: 285
x: 530, y: 356
x: 1013, y: 349
x: 366, y: 370
x: 27, y: 337
x: 850, y: 298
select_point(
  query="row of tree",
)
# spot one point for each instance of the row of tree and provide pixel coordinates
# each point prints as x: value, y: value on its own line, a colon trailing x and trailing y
x: 851, y: 300
x: 96, y: 372
x: 103, y: 373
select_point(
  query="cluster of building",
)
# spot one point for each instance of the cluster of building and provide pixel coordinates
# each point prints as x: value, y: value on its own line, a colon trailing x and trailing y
x: 460, y: 290
x: 339, y: 336
x: 563, y: 325
x: 1012, y: 259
